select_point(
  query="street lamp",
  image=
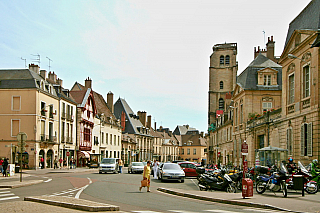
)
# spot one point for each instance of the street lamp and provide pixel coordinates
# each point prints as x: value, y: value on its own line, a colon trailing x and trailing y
x: 295, y: 57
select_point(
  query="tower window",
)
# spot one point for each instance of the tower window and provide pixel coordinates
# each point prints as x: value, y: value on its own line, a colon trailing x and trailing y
x: 221, y: 59
x: 221, y: 103
x: 227, y: 60
x: 221, y: 84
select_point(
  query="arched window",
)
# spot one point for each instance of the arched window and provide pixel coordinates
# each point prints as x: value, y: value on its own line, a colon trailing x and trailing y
x: 221, y: 84
x: 221, y: 103
x: 227, y: 60
x: 221, y: 59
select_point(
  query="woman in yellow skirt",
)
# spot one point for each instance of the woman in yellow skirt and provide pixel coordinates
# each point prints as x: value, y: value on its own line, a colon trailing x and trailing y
x: 146, y: 175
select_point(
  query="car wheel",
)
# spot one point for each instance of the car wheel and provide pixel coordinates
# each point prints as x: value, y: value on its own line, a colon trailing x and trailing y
x: 182, y: 181
x: 161, y: 178
x: 100, y: 172
x: 129, y: 171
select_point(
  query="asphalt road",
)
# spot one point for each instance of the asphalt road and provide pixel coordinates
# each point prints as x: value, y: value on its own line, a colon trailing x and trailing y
x: 122, y: 190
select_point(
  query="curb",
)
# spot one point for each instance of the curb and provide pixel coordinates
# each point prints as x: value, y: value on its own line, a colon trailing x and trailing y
x: 73, y: 203
x: 219, y: 200
x: 17, y: 184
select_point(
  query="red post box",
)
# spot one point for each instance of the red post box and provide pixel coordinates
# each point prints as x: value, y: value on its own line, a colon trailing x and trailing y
x: 247, y: 187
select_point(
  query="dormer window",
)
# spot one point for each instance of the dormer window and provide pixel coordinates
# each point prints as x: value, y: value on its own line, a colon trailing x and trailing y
x: 267, y: 80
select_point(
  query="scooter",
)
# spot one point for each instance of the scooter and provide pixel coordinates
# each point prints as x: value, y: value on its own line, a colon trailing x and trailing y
x: 221, y: 181
x: 310, y: 186
x: 275, y: 182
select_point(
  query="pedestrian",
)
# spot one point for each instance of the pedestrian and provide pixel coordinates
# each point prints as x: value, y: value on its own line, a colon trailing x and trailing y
x: 120, y: 163
x: 55, y: 163
x: 5, y: 166
x: 71, y: 163
x: 155, y: 169
x: 42, y: 162
x: 60, y: 161
x: 74, y: 163
x: 1, y: 161
x: 146, y: 176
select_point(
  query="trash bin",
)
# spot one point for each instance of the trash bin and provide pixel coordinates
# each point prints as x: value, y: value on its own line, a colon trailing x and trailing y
x: 247, y: 187
x: 297, y: 182
x: 17, y: 169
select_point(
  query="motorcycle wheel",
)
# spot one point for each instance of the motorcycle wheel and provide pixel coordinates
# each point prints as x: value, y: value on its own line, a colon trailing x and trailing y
x: 260, y: 188
x: 203, y: 189
x: 239, y: 185
x: 231, y: 188
x: 312, y: 192
x: 284, y: 189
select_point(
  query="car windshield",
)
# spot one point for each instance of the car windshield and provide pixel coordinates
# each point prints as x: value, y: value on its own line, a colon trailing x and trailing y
x: 137, y: 164
x: 108, y: 161
x: 171, y: 166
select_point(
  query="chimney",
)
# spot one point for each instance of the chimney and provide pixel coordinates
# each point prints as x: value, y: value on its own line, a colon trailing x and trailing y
x: 149, y: 122
x: 52, y: 76
x: 34, y: 67
x: 43, y: 74
x: 142, y: 117
x: 88, y: 83
x: 59, y: 81
x: 270, y: 48
x: 155, y: 126
x: 110, y: 101
x: 123, y: 120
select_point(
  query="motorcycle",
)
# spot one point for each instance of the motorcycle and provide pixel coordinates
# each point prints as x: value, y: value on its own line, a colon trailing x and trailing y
x: 275, y: 182
x: 310, y: 186
x: 221, y: 181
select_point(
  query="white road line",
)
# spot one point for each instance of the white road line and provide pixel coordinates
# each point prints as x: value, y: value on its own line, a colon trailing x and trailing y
x: 180, y: 211
x: 6, y: 195
x: 260, y: 210
x: 8, y: 198
x: 83, y: 188
x: 146, y: 212
x: 221, y: 211
x: 4, y: 192
x: 195, y: 183
x: 47, y: 180
x: 1, y: 189
x: 65, y: 192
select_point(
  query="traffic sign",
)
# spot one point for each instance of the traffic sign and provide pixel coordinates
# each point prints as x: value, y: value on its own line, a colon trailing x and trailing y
x: 244, y: 148
x: 68, y: 154
x: 22, y: 136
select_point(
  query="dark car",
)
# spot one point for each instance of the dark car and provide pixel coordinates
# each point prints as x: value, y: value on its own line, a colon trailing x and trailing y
x: 189, y: 168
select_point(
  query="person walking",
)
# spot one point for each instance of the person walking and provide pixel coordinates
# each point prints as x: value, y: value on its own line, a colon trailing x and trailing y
x: 5, y: 166
x: 146, y: 176
x: 42, y: 163
x: 1, y: 161
x: 60, y: 162
x: 155, y: 169
x: 120, y: 163
x: 55, y: 163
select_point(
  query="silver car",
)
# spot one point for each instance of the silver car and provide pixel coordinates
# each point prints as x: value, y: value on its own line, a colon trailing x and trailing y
x: 171, y: 171
x: 135, y: 167
x: 109, y: 165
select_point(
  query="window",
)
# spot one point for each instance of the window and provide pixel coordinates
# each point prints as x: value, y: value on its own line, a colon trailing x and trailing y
x: 194, y: 151
x: 15, y: 127
x: 118, y: 140
x: 241, y: 113
x: 221, y: 103
x: 221, y: 60
x: 236, y: 117
x: 63, y: 110
x: 289, y: 141
x: 182, y: 151
x: 87, y: 134
x: 107, y: 138
x: 306, y: 139
x: 16, y: 103
x: 291, y: 89
x: 102, y: 140
x: 266, y: 106
x: 43, y: 109
x: 221, y: 84
x: 306, y: 81
x: 62, y: 132
x: 115, y: 140
x: 227, y: 60
x: 267, y: 80
x: 188, y: 151
x: 111, y: 139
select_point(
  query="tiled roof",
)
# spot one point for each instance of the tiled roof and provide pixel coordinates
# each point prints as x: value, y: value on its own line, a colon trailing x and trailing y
x: 308, y: 19
x: 248, y: 79
x: 78, y: 95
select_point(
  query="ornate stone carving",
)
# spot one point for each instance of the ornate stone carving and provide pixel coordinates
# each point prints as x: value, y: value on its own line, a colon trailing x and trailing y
x: 291, y: 67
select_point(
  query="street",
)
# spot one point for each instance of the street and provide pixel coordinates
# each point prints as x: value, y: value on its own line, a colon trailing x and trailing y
x: 121, y: 190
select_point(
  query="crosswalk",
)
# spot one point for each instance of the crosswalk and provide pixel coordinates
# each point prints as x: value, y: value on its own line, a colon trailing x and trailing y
x: 69, y: 192
x: 249, y: 209
x: 6, y: 194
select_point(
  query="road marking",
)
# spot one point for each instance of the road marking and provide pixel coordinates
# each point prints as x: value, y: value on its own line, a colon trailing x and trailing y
x: 261, y: 210
x: 8, y: 198
x: 195, y: 183
x: 47, y: 180
x: 83, y: 188
x: 180, y: 211
x: 6, y: 194
x: 146, y: 212
x: 65, y: 192
x: 221, y: 211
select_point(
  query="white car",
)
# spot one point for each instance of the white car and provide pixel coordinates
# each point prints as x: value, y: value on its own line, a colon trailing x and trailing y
x: 135, y: 167
x: 109, y: 165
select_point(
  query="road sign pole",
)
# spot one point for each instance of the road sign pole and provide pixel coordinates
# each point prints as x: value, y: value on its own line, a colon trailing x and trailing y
x: 21, y: 137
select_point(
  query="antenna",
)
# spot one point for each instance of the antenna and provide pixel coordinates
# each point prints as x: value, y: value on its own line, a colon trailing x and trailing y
x: 264, y: 37
x: 25, y: 62
x: 49, y: 62
x: 37, y: 59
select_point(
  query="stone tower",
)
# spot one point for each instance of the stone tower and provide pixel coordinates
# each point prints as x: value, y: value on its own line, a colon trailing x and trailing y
x: 222, y: 78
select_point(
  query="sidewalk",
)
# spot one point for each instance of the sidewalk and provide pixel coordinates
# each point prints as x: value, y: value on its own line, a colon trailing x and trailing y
x: 293, y: 203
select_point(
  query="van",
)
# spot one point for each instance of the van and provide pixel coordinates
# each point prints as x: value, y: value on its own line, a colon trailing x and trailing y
x: 109, y: 165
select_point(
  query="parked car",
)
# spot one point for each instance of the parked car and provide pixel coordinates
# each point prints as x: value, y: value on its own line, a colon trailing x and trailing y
x: 109, y: 165
x: 171, y: 171
x: 135, y: 167
x: 189, y: 168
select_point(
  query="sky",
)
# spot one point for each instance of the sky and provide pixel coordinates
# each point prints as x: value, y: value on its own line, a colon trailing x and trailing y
x: 154, y: 54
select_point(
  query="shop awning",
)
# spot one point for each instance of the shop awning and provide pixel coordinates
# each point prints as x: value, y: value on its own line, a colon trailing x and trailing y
x: 84, y: 154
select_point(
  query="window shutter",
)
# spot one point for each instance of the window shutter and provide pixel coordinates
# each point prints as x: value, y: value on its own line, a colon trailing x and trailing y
x: 289, y: 141
x: 302, y: 141
x: 309, y: 139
